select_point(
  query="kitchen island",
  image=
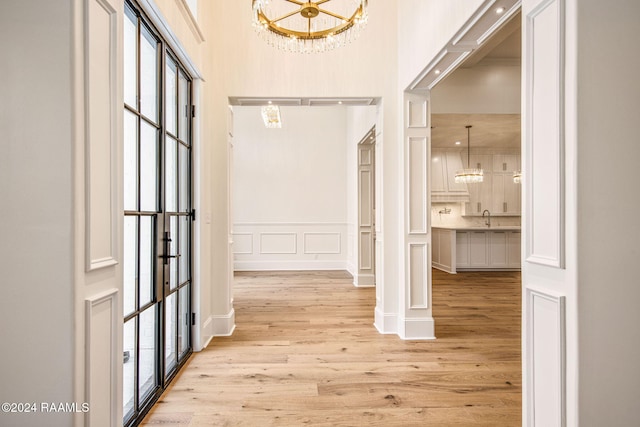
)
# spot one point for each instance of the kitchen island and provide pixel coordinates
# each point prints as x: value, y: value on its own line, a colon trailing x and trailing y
x: 475, y: 248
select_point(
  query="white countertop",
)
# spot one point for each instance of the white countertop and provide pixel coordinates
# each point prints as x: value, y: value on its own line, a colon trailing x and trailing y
x: 480, y: 228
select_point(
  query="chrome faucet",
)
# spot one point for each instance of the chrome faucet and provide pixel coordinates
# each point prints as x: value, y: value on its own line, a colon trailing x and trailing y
x: 488, y: 222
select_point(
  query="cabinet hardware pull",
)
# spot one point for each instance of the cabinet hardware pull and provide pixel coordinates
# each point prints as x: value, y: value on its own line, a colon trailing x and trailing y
x: 479, y: 206
x: 504, y: 206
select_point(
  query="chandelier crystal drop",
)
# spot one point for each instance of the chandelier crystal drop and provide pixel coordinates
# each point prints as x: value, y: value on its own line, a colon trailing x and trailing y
x: 469, y: 175
x: 309, y: 26
x: 271, y: 116
x: 517, y: 177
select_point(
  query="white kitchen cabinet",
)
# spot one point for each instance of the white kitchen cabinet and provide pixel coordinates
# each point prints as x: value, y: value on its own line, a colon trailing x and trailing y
x: 478, y: 253
x: 443, y: 246
x: 444, y: 165
x: 506, y: 163
x: 505, y: 193
x: 462, y: 249
x: 480, y: 196
x: 487, y: 250
x: 497, y: 193
x: 498, y: 250
x: 513, y: 249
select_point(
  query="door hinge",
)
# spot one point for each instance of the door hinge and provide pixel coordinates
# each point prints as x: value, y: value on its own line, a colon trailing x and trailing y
x: 193, y: 214
x: 193, y: 111
x: 193, y: 319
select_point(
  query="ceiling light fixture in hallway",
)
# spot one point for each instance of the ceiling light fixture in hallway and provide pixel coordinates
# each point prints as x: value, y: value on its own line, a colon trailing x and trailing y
x: 312, y: 26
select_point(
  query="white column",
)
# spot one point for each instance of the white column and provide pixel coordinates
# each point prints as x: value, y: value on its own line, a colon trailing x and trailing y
x: 415, y: 317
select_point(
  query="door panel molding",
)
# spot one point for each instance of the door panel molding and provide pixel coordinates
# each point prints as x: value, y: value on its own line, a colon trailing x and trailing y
x: 546, y: 358
x: 544, y: 174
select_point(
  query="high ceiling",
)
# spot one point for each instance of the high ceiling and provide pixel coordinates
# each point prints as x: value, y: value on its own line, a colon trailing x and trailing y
x: 487, y: 131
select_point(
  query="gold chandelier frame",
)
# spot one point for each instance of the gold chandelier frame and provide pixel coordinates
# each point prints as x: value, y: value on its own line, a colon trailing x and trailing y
x: 298, y: 39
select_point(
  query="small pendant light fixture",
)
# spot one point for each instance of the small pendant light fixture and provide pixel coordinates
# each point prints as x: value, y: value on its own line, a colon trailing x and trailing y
x: 469, y: 175
x: 517, y: 177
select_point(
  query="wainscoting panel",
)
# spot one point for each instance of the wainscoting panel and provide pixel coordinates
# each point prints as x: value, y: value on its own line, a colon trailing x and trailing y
x: 417, y: 194
x: 544, y: 172
x: 322, y: 243
x: 243, y: 243
x: 290, y: 246
x: 546, y: 358
x: 101, y: 372
x: 101, y: 107
x: 278, y: 243
x: 418, y: 275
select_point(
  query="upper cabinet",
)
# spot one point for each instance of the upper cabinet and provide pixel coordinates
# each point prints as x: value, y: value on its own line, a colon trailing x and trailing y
x: 444, y: 165
x: 497, y: 193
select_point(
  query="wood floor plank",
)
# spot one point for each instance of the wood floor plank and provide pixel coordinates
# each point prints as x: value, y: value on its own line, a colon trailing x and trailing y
x: 305, y: 353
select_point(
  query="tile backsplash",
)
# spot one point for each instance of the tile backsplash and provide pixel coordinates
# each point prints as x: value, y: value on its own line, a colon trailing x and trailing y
x: 450, y: 215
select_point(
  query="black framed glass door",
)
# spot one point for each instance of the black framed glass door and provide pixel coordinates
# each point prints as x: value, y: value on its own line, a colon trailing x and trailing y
x: 157, y: 218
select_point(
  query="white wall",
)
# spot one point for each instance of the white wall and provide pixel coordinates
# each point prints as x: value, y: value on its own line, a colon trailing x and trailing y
x: 425, y: 27
x: 290, y: 189
x: 36, y: 248
x: 491, y: 87
x: 250, y: 67
x: 608, y: 202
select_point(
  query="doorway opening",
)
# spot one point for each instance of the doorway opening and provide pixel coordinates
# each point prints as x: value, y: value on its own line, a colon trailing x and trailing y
x: 366, y: 239
x: 296, y: 201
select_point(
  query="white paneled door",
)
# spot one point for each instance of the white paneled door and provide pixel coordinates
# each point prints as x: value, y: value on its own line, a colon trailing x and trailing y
x: 547, y: 277
x: 366, y: 211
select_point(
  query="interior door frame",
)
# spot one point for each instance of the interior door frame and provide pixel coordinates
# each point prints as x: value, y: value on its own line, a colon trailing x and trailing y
x: 366, y: 238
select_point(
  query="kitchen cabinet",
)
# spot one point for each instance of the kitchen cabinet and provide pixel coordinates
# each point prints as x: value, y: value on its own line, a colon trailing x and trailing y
x: 462, y: 249
x: 478, y: 254
x: 443, y: 246
x: 444, y: 165
x: 505, y: 193
x: 497, y: 193
x: 486, y: 250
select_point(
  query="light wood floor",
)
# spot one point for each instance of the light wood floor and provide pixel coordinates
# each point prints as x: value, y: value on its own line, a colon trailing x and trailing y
x: 305, y: 353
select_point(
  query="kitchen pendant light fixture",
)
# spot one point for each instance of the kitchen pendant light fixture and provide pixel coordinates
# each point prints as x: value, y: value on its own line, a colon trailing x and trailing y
x: 309, y: 26
x: 469, y: 175
x: 517, y: 177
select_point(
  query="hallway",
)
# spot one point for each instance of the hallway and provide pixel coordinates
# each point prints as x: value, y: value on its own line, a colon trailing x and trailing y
x: 305, y: 353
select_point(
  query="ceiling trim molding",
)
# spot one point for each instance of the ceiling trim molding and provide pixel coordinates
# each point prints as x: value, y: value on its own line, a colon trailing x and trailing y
x: 476, y: 31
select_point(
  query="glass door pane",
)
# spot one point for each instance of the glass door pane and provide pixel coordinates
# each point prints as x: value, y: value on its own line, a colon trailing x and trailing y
x: 157, y: 224
x: 149, y: 64
x: 170, y: 334
x: 147, y: 356
x: 129, y: 369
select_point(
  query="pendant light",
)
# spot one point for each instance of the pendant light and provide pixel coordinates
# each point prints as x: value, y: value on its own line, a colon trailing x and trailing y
x: 469, y: 175
x: 517, y: 177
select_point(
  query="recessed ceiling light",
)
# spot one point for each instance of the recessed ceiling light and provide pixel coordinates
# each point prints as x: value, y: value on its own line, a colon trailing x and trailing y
x: 458, y: 142
x: 270, y: 102
x: 437, y: 72
x: 340, y: 102
x: 499, y: 10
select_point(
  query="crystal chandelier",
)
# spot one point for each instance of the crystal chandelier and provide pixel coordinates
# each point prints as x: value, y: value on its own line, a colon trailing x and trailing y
x: 271, y: 116
x: 309, y: 26
x: 517, y: 177
x: 469, y: 175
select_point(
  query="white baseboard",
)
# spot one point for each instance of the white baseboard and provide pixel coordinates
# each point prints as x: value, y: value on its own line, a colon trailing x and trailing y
x: 219, y: 326
x: 386, y: 323
x: 288, y: 265
x: 207, y: 332
x: 422, y: 328
x: 364, y: 281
